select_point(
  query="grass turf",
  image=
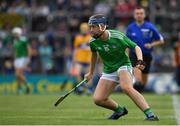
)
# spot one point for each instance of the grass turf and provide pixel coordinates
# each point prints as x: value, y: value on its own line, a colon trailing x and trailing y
x: 79, y: 110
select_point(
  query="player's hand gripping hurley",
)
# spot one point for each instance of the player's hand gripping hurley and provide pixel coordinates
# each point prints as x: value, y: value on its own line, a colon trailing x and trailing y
x: 64, y: 96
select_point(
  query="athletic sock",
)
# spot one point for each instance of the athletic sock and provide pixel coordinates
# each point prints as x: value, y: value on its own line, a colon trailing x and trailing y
x: 148, y: 112
x: 27, y: 87
x: 119, y: 109
x: 19, y: 89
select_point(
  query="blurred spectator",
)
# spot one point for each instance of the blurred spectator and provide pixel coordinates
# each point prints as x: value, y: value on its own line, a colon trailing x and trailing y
x: 45, y: 52
x: 62, y: 4
x: 75, y: 7
x: 124, y: 10
x: 173, y: 7
x: 40, y: 9
x: 73, y: 25
x: 87, y: 9
x: 132, y: 4
x: 61, y: 19
x: 68, y: 57
x: 3, y: 6
x: 121, y: 27
x: 8, y: 66
x: 7, y: 51
x: 35, y: 62
x: 102, y: 8
x: 59, y: 52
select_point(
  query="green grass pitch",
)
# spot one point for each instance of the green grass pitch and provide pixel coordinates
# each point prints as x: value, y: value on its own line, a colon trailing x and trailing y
x: 79, y: 110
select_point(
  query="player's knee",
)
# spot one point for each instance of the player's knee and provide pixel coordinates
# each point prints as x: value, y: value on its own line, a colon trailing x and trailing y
x: 98, y: 100
x: 18, y: 75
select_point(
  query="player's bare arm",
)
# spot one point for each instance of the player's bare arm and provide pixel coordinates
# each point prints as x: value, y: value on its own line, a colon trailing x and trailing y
x: 140, y: 63
x: 31, y: 52
x: 153, y: 44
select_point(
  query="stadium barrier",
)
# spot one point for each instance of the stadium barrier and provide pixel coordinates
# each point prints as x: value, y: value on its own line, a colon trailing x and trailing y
x: 39, y: 84
x: 55, y: 84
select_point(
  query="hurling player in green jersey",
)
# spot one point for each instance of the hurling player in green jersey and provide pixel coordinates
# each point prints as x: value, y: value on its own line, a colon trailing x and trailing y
x: 21, y: 61
x: 110, y: 45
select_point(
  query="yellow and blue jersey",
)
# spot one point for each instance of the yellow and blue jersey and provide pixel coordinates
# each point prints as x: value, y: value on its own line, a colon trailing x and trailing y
x: 145, y: 33
x: 82, y: 50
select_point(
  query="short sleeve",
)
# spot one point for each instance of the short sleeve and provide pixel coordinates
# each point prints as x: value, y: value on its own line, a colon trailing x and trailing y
x: 24, y: 40
x: 128, y: 42
x: 156, y: 34
x: 92, y: 47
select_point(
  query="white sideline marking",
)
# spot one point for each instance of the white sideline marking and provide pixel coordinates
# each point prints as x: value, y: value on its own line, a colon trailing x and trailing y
x: 176, y: 105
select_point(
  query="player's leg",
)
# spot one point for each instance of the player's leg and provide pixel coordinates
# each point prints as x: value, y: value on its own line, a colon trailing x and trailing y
x: 177, y: 77
x: 81, y: 69
x: 101, y: 97
x: 20, y: 66
x: 144, y: 79
x: 102, y: 92
x: 78, y: 68
x: 126, y: 85
x: 137, y: 73
x: 126, y: 80
x: 18, y: 80
x: 139, y: 80
x: 142, y: 76
x: 22, y: 79
x: 145, y: 72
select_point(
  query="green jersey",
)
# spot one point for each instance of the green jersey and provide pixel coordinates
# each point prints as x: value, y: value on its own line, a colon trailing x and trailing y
x: 21, y: 47
x: 112, y: 51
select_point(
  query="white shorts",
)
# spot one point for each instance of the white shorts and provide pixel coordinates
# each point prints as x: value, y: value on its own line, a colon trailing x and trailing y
x: 115, y: 75
x: 21, y: 62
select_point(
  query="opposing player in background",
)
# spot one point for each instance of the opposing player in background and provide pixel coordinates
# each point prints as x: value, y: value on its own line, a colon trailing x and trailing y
x: 146, y: 36
x: 176, y: 60
x: 82, y: 55
x: 110, y: 45
x: 22, y: 51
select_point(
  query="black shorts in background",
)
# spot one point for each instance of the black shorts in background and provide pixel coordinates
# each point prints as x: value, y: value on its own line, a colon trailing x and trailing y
x: 146, y: 58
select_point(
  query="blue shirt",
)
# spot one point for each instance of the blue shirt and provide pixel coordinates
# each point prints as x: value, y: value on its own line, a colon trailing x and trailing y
x: 145, y: 33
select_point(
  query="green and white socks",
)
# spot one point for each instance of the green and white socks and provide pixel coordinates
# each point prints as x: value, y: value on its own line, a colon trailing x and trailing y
x: 148, y: 112
x: 119, y: 109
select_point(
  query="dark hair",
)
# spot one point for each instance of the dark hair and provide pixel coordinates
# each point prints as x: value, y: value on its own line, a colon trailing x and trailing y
x: 140, y: 7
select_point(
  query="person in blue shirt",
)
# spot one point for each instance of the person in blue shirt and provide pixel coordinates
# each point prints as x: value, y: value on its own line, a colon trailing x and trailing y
x: 146, y: 36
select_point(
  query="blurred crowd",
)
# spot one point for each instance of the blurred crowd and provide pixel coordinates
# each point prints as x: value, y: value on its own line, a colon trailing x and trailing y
x: 52, y: 25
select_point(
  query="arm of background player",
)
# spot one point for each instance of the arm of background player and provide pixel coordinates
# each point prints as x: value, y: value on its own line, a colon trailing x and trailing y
x: 31, y: 52
x: 156, y: 43
x: 158, y: 39
x: 89, y: 75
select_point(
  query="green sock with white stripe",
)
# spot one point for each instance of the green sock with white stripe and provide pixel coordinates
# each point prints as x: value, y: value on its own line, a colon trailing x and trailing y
x: 119, y: 109
x: 148, y: 112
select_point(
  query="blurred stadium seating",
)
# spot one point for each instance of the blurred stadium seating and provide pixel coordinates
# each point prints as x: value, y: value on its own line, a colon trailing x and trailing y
x: 57, y: 22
